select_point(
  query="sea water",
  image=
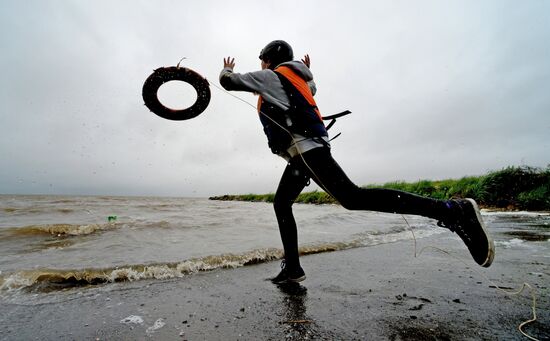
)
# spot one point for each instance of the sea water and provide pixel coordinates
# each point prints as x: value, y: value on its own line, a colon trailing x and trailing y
x: 50, y: 243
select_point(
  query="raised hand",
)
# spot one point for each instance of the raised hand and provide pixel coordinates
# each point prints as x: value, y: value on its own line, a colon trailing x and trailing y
x: 306, y: 60
x: 229, y: 63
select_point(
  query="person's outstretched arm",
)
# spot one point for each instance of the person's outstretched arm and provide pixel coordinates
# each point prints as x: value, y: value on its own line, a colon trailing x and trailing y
x: 251, y: 81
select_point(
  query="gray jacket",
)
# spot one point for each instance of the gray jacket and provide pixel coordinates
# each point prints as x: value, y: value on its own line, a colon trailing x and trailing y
x: 267, y: 84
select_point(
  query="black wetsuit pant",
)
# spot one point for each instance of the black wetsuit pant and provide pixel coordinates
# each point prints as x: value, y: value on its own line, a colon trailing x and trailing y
x: 318, y: 165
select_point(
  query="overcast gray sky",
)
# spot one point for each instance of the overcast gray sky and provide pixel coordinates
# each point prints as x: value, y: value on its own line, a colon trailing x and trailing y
x: 438, y: 89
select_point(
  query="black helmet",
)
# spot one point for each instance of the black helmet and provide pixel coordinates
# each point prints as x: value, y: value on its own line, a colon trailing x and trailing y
x: 277, y: 52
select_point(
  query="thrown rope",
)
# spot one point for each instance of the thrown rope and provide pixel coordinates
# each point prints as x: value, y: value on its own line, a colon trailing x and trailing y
x: 499, y: 288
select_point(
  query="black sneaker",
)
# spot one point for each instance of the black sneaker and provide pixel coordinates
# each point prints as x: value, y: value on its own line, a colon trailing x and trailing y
x: 465, y: 220
x: 288, y: 275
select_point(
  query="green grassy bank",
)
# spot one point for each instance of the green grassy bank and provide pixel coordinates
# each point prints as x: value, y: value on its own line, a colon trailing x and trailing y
x: 522, y: 188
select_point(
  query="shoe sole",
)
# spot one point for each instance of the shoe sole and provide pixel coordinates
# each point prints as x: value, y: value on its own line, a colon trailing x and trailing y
x: 291, y: 280
x: 491, y: 244
x: 296, y: 280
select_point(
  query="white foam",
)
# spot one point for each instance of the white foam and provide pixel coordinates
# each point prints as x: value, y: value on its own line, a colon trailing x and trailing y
x: 514, y: 213
x: 15, y: 282
x: 384, y: 238
x: 509, y: 243
x: 157, y: 325
x: 540, y: 274
x: 132, y: 319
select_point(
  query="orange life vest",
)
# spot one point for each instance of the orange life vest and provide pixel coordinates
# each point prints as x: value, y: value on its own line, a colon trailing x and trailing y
x: 303, y: 117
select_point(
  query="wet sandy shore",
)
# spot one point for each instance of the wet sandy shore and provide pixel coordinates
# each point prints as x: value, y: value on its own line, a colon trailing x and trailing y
x: 374, y: 293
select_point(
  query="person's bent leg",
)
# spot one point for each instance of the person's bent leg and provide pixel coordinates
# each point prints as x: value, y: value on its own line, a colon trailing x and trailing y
x: 326, y: 172
x: 461, y: 216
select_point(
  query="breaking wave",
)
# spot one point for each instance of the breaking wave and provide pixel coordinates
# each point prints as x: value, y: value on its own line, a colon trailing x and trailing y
x: 54, y: 279
x: 35, y: 210
x: 57, y: 229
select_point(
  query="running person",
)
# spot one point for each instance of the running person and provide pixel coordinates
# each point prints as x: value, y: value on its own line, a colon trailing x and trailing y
x: 295, y: 131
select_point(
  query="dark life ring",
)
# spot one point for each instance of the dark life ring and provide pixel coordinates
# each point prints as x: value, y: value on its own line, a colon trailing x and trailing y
x: 166, y: 74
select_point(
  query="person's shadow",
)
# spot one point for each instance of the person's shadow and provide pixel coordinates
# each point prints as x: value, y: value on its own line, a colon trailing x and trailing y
x: 297, y: 324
